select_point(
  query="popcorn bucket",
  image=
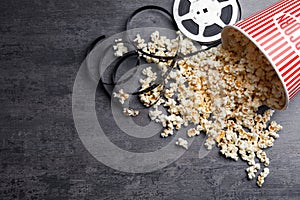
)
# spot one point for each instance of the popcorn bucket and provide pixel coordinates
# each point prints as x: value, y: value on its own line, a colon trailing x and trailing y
x: 275, y: 31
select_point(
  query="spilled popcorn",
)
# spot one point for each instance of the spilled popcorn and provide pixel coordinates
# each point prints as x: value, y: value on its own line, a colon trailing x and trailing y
x: 121, y: 96
x: 262, y: 176
x: 252, y: 170
x: 120, y: 48
x: 182, y: 142
x: 130, y: 112
x: 219, y: 93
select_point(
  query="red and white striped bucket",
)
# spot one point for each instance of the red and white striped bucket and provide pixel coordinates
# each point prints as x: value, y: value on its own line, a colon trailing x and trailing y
x: 276, y: 32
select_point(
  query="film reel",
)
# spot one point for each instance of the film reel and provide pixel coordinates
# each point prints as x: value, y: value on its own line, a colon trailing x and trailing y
x: 203, y: 20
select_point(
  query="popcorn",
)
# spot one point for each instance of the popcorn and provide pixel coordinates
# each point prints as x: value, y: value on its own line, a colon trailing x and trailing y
x: 274, y: 127
x: 151, y: 97
x: 154, y: 114
x: 252, y: 170
x: 169, y: 93
x: 140, y: 42
x: 209, y: 143
x: 260, y: 70
x: 167, y: 132
x: 262, y: 156
x: 120, y: 48
x: 193, y: 132
x: 262, y: 176
x: 182, y: 142
x: 155, y: 37
x: 218, y: 92
x: 130, y: 112
x: 148, y: 72
x: 150, y: 77
x: 121, y: 95
x: 230, y: 151
x: 158, y: 103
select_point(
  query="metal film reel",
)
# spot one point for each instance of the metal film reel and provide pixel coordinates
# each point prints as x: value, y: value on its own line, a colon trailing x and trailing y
x: 203, y: 20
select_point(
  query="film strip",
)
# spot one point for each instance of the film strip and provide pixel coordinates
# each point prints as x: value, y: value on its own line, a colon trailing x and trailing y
x: 203, y: 20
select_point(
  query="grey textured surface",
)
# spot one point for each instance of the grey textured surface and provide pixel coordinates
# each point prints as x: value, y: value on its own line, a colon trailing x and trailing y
x: 41, y: 156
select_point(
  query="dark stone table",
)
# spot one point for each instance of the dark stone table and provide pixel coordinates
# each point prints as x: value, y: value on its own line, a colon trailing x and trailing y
x: 41, y: 155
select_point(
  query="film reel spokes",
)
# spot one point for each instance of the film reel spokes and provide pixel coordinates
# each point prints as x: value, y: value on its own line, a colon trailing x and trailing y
x: 203, y: 20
